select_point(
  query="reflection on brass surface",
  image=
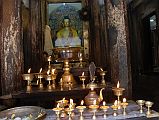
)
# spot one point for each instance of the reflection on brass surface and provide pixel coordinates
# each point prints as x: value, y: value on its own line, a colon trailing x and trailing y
x: 92, y: 96
x: 67, y: 77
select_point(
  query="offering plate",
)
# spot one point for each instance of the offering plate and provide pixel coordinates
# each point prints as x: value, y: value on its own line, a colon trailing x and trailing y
x: 28, y: 112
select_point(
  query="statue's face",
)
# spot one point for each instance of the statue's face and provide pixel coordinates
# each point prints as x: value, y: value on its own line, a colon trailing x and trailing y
x: 66, y: 22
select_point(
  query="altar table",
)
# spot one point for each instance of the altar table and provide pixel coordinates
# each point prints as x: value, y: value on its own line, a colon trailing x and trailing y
x: 132, y: 114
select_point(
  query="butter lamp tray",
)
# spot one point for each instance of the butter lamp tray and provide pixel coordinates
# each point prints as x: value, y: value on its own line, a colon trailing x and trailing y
x: 23, y: 113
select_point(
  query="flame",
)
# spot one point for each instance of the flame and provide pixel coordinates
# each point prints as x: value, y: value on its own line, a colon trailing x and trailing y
x: 29, y: 70
x: 71, y: 101
x: 83, y: 74
x: 48, y: 72
x: 115, y: 103
x: 40, y: 70
x: 104, y: 103
x: 94, y: 102
x: 82, y: 102
x: 49, y: 58
x: 101, y: 69
x: 58, y: 105
x: 118, y: 85
x: 63, y: 100
x: 53, y: 71
x: 124, y: 100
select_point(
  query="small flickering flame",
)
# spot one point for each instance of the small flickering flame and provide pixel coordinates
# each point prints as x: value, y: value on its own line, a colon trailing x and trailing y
x: 40, y: 70
x: 83, y: 74
x: 63, y: 100
x: 118, y: 85
x: 49, y: 58
x: 94, y: 102
x: 101, y: 69
x: 104, y: 103
x: 53, y: 71
x: 29, y: 70
x: 58, y: 105
x: 115, y: 103
x: 124, y: 100
x: 82, y: 102
x: 61, y: 80
x: 71, y: 101
x: 70, y: 106
x: 48, y: 72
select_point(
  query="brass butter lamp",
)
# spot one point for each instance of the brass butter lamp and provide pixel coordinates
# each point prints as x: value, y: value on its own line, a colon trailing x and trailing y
x: 141, y: 103
x: 118, y: 92
x: 49, y: 79
x: 81, y: 108
x: 57, y: 111
x: 104, y: 108
x: 103, y: 73
x: 94, y: 108
x: 39, y: 81
x: 28, y: 77
x: 124, y: 105
x: 53, y: 75
x: 148, y: 105
x: 83, y: 78
x: 115, y: 108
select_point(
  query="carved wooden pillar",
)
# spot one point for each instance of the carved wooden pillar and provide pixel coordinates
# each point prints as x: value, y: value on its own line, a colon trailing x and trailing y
x: 11, y: 52
x: 35, y: 35
x: 119, y: 44
x: 99, y: 51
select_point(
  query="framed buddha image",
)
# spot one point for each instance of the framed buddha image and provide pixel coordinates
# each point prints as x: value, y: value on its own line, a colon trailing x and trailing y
x: 65, y: 24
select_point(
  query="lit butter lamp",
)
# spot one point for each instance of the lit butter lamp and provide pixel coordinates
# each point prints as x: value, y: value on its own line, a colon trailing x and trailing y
x: 81, y: 108
x: 28, y: 77
x: 94, y: 108
x: 63, y: 103
x: 40, y: 76
x: 104, y: 108
x: 83, y: 78
x: 53, y: 75
x: 70, y: 109
x: 118, y: 92
x: 115, y: 107
x: 102, y: 73
x: 49, y: 78
x: 49, y: 60
x: 124, y: 105
x: 57, y: 111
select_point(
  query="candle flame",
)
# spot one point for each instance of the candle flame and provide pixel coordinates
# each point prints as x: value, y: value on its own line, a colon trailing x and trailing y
x: 48, y: 72
x: 29, y: 70
x: 94, y: 102
x: 104, y: 103
x: 49, y: 58
x: 53, y: 71
x: 115, y: 103
x: 124, y: 100
x: 118, y: 85
x: 101, y: 69
x: 63, y: 100
x: 40, y: 70
x: 58, y: 105
x: 82, y: 102
x: 71, y: 101
x: 83, y: 74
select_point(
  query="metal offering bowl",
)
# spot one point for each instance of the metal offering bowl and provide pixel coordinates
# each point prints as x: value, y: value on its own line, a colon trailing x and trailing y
x: 30, y: 112
x: 140, y: 102
x: 148, y: 103
x: 28, y: 77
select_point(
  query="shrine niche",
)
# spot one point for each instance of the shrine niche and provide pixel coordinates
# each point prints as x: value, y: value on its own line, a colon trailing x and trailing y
x: 68, y: 33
